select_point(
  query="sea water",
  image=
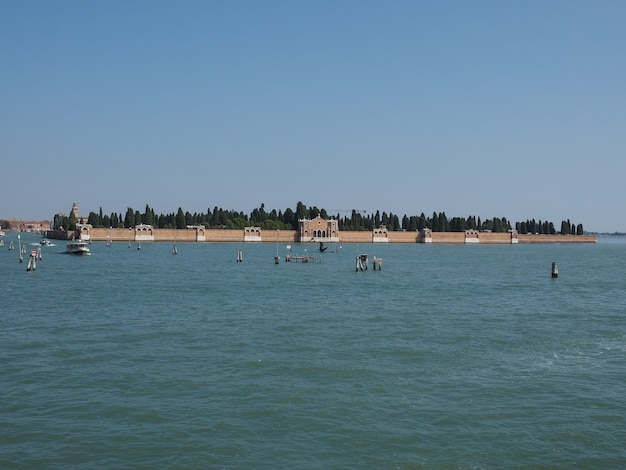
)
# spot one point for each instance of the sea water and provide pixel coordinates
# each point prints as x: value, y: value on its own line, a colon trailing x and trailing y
x: 451, y: 356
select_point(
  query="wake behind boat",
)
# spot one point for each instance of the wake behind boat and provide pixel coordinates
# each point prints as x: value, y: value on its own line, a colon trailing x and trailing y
x: 76, y: 247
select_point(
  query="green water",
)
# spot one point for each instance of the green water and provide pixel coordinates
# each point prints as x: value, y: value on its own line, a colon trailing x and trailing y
x: 452, y: 356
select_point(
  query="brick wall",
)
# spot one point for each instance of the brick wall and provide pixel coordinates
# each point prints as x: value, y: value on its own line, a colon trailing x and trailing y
x: 289, y: 236
x: 557, y: 238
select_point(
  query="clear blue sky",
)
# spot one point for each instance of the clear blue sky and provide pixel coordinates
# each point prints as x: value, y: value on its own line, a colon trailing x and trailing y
x: 486, y: 108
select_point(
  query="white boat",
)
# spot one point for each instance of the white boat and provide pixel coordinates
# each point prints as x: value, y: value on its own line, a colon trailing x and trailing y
x: 2, y: 234
x: 76, y: 247
x: 45, y: 242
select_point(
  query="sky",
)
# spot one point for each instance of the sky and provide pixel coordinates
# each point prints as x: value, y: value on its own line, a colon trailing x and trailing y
x: 511, y: 109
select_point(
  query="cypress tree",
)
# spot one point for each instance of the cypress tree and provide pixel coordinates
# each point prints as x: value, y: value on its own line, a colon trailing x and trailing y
x: 180, y: 219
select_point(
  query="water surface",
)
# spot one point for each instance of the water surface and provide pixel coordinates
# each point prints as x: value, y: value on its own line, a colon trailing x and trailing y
x: 452, y: 356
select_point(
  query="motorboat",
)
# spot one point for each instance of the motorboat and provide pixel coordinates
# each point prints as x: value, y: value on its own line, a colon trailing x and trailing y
x: 45, y: 242
x: 76, y: 247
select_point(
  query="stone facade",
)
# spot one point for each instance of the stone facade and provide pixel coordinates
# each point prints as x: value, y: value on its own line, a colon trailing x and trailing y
x: 318, y: 230
x: 144, y: 233
x: 84, y: 231
x: 252, y: 234
x: 380, y: 235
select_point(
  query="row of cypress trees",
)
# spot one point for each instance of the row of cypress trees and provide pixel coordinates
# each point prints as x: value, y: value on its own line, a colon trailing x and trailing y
x: 355, y: 220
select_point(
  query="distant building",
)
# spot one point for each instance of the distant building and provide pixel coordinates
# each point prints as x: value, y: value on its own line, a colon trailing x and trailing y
x: 144, y: 232
x: 59, y: 216
x: 19, y: 225
x: 84, y: 231
x: 318, y: 230
x: 380, y: 234
x: 252, y: 234
x: 76, y: 214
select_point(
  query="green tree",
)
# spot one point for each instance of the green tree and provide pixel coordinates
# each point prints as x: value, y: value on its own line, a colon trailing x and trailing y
x: 395, y: 222
x: 301, y: 211
x: 357, y: 220
x: 148, y: 216
x: 422, y: 222
x: 129, y: 218
x: 435, y: 222
x: 180, y: 219
x: 71, y: 225
x: 93, y: 219
x: 290, y: 219
x: 444, y: 225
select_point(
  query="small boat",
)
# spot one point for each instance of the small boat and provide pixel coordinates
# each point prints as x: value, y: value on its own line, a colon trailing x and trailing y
x: 2, y: 234
x: 77, y: 248
x: 45, y: 242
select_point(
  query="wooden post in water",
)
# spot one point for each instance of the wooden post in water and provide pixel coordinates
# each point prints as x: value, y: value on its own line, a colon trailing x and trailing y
x: 239, y: 255
x: 555, y: 270
x: 32, y: 261
x: 361, y: 263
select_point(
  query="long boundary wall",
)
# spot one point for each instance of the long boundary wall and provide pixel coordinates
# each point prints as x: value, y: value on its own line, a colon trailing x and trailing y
x: 290, y: 236
x: 557, y: 238
x: 189, y: 235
